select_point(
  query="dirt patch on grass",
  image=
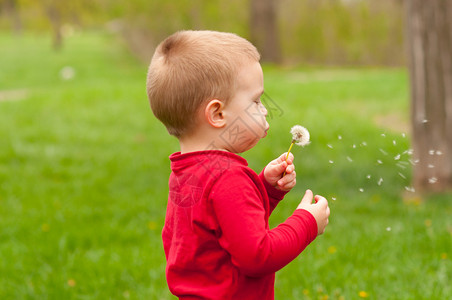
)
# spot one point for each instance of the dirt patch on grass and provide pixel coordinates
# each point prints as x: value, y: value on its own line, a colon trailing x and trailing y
x: 13, y: 95
x: 393, y: 122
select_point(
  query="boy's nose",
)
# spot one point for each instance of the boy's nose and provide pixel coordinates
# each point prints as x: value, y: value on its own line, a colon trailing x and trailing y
x: 264, y: 110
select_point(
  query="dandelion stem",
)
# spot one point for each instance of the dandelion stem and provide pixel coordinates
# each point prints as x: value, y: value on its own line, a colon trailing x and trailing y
x: 288, y: 152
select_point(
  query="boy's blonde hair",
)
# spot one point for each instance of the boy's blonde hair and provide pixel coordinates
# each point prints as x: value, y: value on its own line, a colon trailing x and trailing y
x: 191, y: 67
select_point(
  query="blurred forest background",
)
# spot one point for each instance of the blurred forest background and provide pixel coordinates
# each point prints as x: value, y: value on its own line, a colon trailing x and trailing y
x: 84, y: 165
x: 352, y: 32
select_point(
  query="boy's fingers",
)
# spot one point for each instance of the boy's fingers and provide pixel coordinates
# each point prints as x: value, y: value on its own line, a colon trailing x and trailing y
x: 307, y: 198
x: 287, y: 179
x: 283, y: 157
x: 321, y: 200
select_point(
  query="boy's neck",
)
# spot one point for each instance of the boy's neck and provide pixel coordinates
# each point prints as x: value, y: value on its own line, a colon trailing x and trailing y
x: 199, y: 141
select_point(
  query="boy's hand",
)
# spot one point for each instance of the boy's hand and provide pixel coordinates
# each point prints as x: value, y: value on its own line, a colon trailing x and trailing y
x: 275, y: 170
x: 319, y: 209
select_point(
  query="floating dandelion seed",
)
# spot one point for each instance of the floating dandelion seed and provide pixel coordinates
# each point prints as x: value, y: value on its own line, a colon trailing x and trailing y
x: 380, y: 181
x: 339, y: 137
x: 380, y: 162
x: 401, y: 175
x: 383, y: 135
x: 363, y: 144
x: 368, y: 176
x: 331, y: 162
x: 353, y: 146
x: 431, y: 152
x: 333, y: 198
x: 361, y: 190
x: 388, y: 228
x: 329, y: 146
x: 397, y: 157
x: 394, y: 142
x: 425, y: 121
x: 439, y: 153
x: 410, y: 189
x: 400, y: 165
x: 403, y: 135
x: 432, y: 180
x: 349, y: 159
x: 430, y: 166
x: 413, y: 162
x: 300, y: 137
x: 382, y: 151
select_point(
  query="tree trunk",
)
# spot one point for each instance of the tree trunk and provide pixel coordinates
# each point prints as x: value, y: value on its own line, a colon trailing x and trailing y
x: 54, y: 16
x: 264, y: 30
x: 429, y: 36
x: 12, y: 11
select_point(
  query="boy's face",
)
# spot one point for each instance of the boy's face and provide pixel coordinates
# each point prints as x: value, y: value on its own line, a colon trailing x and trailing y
x: 246, y: 114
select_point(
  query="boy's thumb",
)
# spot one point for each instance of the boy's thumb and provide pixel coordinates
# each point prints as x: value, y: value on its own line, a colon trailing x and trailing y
x: 307, y: 198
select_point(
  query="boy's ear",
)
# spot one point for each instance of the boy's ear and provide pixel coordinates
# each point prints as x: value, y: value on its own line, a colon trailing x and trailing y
x: 214, y: 113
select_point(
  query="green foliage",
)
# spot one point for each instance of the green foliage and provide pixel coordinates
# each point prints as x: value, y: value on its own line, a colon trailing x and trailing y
x: 323, y: 32
x: 84, y: 169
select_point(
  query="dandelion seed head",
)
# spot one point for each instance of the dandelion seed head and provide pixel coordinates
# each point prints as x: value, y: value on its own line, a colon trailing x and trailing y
x: 300, y: 135
x: 67, y: 73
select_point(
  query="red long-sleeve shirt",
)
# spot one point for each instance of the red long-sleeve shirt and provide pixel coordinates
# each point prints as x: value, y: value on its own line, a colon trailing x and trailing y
x: 216, y: 236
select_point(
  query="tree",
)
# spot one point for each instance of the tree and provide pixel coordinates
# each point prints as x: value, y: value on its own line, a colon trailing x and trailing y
x: 10, y: 9
x: 264, y: 30
x: 429, y: 36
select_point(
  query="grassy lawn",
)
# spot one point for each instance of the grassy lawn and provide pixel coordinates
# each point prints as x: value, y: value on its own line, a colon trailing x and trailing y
x: 84, y: 169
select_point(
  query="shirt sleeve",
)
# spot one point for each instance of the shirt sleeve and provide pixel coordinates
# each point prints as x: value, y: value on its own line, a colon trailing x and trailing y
x: 244, y: 233
x: 274, y: 195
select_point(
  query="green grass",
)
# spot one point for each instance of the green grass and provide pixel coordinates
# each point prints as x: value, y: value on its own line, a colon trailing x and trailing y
x: 84, y: 169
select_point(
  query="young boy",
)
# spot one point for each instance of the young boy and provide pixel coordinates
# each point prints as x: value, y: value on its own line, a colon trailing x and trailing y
x: 205, y: 87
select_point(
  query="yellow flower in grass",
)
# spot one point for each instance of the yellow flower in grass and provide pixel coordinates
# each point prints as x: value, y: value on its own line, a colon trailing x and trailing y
x: 428, y: 223
x: 443, y: 255
x: 363, y: 294
x: 45, y: 227
x: 71, y: 282
x: 332, y: 249
x: 152, y: 225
